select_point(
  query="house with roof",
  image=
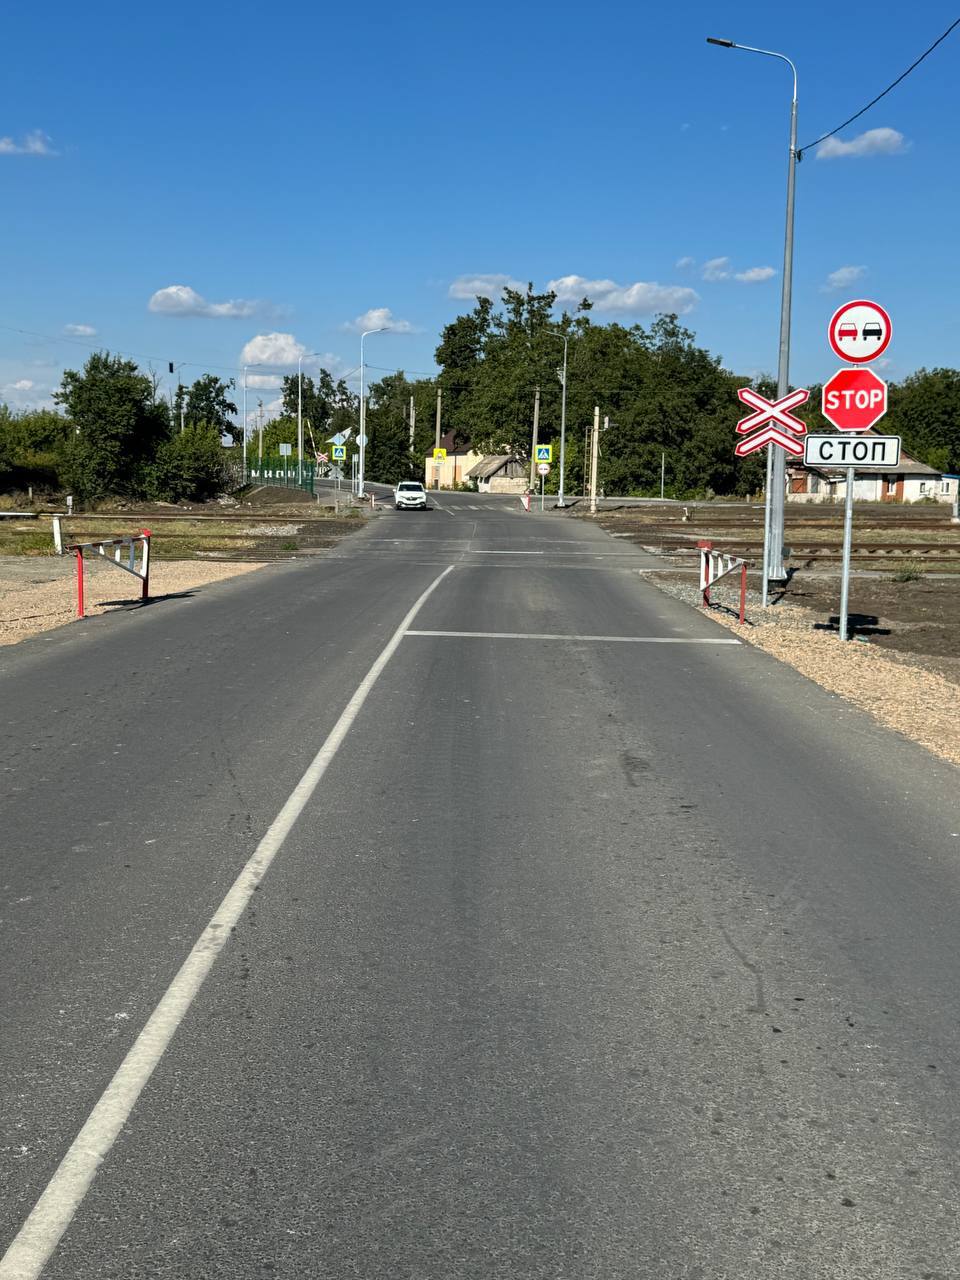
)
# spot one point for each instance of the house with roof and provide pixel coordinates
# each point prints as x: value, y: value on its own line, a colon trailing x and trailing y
x: 500, y: 473
x: 910, y: 481
x: 461, y: 457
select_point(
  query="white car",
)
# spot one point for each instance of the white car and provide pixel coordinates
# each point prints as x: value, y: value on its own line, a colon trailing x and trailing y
x: 410, y: 495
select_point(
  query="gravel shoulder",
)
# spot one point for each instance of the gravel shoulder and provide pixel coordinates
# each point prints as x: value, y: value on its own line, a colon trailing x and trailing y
x: 40, y: 594
x: 899, y: 690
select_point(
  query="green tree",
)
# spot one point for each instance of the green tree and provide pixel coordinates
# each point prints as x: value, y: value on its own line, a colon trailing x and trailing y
x: 207, y: 402
x: 925, y: 410
x: 388, y: 455
x: 190, y: 466
x: 119, y: 425
x: 31, y: 447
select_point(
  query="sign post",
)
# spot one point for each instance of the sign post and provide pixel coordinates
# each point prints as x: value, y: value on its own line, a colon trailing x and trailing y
x: 439, y: 457
x: 543, y: 470
x: 854, y: 400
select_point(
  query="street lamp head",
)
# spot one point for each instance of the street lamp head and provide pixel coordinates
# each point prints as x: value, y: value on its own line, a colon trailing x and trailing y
x: 724, y: 44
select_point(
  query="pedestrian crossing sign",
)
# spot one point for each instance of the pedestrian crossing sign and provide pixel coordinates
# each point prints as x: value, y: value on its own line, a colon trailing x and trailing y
x: 439, y: 455
x: 544, y: 453
x: 339, y: 452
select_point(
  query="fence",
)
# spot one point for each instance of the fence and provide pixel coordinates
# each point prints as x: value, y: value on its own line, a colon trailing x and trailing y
x: 283, y: 472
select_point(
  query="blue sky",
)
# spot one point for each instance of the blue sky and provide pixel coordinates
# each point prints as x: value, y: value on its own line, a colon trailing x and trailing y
x: 269, y: 179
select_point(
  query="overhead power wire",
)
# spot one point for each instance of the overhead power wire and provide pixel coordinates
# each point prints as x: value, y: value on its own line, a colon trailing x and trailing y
x: 875, y: 100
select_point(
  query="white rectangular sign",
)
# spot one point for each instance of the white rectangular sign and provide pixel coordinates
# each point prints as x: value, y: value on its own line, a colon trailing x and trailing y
x: 286, y: 450
x: 881, y: 452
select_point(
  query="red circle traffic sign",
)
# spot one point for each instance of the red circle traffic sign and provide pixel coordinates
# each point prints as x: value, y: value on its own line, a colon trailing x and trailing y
x: 854, y: 399
x: 860, y: 331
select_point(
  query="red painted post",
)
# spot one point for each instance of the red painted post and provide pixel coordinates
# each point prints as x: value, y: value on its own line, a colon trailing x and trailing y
x: 79, y: 582
x: 743, y: 592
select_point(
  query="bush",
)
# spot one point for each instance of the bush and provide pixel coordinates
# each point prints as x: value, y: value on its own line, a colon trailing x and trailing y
x: 910, y: 571
x: 190, y: 466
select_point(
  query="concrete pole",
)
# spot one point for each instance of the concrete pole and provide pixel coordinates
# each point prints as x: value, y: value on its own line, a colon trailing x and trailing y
x: 439, y: 403
x: 775, y: 566
x: 536, y: 432
x: 663, y: 473
x: 413, y: 421
x: 594, y: 450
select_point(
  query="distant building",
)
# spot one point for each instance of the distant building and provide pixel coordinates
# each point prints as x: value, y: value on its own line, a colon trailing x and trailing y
x: 911, y: 481
x: 500, y: 473
x: 454, y: 467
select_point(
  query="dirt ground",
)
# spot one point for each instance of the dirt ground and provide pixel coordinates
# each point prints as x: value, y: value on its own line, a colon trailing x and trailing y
x: 40, y: 594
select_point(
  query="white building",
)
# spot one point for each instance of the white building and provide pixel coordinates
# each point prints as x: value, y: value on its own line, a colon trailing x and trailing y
x: 911, y: 481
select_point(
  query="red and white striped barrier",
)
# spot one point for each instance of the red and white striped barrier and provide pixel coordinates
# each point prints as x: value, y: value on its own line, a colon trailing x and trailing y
x: 714, y: 565
x: 128, y: 543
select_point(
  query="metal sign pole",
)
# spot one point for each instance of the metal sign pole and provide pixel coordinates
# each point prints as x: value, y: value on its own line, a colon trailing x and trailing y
x: 847, y: 540
x: 543, y: 481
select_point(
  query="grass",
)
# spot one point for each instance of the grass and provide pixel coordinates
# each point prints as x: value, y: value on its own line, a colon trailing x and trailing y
x: 911, y: 571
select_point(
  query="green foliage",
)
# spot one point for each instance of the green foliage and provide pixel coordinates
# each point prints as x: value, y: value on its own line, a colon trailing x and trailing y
x: 190, y: 466
x: 910, y: 571
x: 31, y: 447
x: 326, y: 407
x: 119, y: 426
x: 925, y: 410
x: 388, y: 457
x: 207, y: 402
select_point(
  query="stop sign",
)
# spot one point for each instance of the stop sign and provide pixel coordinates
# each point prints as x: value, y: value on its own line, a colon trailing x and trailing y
x: 854, y: 399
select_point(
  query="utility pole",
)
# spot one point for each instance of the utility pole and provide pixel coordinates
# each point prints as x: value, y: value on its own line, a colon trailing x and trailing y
x: 439, y: 399
x: 594, y: 450
x: 260, y: 431
x: 413, y: 421
x: 182, y: 398
x: 663, y: 472
x: 536, y: 431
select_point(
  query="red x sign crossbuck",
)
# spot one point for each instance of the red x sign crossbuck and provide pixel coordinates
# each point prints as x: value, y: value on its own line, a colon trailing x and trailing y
x: 784, y: 428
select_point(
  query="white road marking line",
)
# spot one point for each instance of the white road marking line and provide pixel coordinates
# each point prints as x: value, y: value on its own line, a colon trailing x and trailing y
x: 527, y: 635
x: 480, y: 552
x: 63, y: 1195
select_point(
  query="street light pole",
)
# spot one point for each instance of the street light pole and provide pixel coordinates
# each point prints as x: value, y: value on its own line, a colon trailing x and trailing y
x: 363, y: 412
x: 556, y: 333
x: 776, y: 457
x: 300, y: 418
x: 243, y: 425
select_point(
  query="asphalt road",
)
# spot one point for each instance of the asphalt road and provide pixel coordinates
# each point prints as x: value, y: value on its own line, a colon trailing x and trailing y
x: 607, y: 953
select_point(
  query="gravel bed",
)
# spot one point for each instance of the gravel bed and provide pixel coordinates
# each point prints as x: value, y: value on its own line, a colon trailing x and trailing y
x: 35, y: 599
x: 897, y: 691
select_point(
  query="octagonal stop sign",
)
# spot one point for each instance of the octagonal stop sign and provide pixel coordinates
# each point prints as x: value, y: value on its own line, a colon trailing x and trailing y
x: 854, y: 399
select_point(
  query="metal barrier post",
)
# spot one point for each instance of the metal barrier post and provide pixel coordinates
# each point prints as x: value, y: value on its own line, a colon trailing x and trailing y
x: 79, y: 582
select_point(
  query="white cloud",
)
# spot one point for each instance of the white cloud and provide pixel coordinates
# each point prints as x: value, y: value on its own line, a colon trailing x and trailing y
x: 842, y: 278
x: 35, y: 143
x: 22, y: 384
x: 273, y: 348
x: 753, y: 275
x: 181, y: 300
x: 875, y: 142
x: 282, y: 351
x: 379, y: 318
x: 79, y: 330
x: 641, y: 298
x: 683, y: 263
x: 483, y: 286
x: 716, y: 269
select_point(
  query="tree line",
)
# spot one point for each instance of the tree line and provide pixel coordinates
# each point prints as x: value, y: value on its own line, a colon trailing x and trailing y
x: 668, y: 400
